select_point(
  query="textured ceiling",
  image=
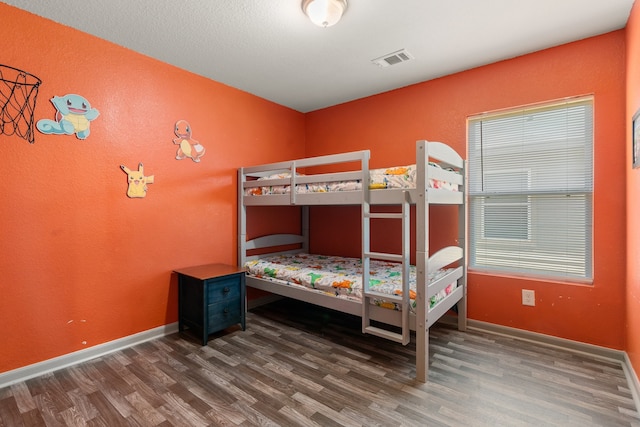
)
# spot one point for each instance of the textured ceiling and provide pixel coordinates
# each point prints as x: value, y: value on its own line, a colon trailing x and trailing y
x: 269, y: 48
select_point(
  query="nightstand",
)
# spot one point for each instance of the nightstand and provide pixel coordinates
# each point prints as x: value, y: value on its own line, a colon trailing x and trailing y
x: 211, y: 298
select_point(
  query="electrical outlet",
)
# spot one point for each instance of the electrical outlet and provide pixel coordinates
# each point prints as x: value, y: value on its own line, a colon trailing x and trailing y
x: 528, y: 297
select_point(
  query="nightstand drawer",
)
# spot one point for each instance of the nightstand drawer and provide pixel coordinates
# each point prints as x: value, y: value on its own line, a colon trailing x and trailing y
x: 221, y: 316
x: 223, y: 289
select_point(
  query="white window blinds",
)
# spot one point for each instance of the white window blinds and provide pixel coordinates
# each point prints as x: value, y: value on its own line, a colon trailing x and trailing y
x: 530, y: 190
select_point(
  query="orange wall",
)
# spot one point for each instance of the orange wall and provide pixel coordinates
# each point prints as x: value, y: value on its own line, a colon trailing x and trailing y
x: 390, y: 123
x: 633, y: 193
x: 81, y: 263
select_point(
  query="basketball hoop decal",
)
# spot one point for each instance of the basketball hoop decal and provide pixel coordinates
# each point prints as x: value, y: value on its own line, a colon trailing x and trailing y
x: 18, y: 93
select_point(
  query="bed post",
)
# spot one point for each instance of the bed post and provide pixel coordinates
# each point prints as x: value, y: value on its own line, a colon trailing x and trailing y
x: 305, y: 228
x: 462, y: 242
x: 422, y: 257
x: 365, y: 211
x: 242, y: 220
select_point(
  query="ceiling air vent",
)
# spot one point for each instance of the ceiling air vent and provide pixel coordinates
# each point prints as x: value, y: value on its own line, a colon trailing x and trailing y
x: 393, y: 58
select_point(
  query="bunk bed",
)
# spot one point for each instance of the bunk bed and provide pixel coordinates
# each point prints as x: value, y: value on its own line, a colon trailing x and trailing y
x: 426, y: 291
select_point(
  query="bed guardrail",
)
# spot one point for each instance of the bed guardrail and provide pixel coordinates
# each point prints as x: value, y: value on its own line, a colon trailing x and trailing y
x: 293, y: 178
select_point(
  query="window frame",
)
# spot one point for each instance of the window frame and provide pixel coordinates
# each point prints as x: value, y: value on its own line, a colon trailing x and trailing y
x: 578, y: 269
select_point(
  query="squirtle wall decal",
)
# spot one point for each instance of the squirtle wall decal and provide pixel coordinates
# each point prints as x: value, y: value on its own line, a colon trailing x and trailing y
x: 73, y: 115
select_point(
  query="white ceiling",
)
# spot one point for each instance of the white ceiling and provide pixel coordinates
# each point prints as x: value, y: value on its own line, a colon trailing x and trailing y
x: 269, y: 48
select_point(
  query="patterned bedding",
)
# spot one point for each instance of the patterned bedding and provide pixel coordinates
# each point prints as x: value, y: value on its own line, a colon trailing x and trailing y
x: 342, y: 277
x: 396, y: 177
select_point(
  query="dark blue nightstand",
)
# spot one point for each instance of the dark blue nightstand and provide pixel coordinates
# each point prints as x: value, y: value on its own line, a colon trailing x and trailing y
x: 211, y: 298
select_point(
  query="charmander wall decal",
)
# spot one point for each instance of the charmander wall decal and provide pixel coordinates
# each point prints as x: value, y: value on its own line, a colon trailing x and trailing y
x: 188, y: 147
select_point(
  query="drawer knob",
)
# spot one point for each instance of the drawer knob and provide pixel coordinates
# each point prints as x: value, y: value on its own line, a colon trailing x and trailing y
x: 225, y: 311
x: 226, y: 290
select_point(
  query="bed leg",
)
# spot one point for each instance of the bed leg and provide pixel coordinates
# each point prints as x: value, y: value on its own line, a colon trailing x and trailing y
x: 462, y: 304
x: 422, y: 354
x: 422, y: 339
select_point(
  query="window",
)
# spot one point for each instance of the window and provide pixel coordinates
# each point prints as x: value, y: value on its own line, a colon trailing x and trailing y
x: 531, y: 190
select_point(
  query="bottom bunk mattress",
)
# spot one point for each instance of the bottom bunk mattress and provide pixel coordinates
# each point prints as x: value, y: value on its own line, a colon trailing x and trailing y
x: 342, y: 277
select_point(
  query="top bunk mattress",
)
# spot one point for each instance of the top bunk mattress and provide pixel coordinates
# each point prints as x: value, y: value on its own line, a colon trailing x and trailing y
x: 398, y: 177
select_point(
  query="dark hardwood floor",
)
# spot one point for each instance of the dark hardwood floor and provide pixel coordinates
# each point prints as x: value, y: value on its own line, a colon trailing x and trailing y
x: 301, y: 365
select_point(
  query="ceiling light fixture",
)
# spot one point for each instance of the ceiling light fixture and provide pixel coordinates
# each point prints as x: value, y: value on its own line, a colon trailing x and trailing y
x: 324, y: 13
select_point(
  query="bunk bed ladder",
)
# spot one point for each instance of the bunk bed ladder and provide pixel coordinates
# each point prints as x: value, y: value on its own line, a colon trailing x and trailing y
x: 403, y: 300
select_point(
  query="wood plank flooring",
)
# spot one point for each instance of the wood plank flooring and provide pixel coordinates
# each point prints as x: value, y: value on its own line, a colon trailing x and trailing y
x: 298, y: 365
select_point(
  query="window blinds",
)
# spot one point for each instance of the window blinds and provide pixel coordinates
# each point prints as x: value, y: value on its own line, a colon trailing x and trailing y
x: 530, y: 190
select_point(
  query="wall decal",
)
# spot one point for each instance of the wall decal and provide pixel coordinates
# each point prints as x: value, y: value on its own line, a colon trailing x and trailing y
x: 73, y: 115
x: 137, y: 186
x: 189, y: 147
x: 18, y: 93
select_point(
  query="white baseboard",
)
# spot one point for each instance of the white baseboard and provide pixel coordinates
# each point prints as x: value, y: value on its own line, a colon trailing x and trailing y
x: 21, y: 374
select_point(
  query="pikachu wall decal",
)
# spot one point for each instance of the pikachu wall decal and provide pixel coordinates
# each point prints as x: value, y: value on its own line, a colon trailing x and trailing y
x: 137, y: 182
